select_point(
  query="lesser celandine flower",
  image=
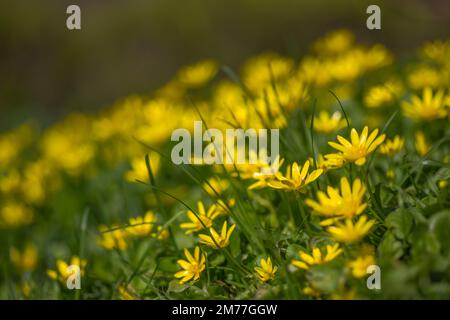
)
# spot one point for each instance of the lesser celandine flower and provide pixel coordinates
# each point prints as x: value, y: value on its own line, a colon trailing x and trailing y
x: 192, y: 267
x: 421, y: 144
x: 326, y: 124
x: 204, y: 219
x: 216, y: 240
x: 15, y: 214
x: 349, y: 231
x: 125, y: 293
x: 26, y: 260
x: 392, y: 146
x: 430, y: 107
x: 139, y: 170
x: 198, y: 74
x: 360, y: 264
x: 348, y: 202
x: 266, y: 270
x: 216, y: 185
x: 318, y: 256
x: 382, y: 95
x: 296, y: 178
x: 142, y: 226
x: 113, y: 238
x: 425, y: 76
x: 63, y: 272
x: 360, y: 147
x: 327, y: 164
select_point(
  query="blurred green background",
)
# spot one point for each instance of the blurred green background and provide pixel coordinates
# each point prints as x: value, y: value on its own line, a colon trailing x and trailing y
x: 133, y: 47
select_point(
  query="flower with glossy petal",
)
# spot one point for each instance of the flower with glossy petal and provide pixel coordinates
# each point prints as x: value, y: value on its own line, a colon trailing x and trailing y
x: 63, y: 270
x: 202, y: 219
x: 216, y: 240
x: 326, y: 124
x: 318, y: 256
x: 349, y: 231
x: 192, y: 267
x: 360, y: 264
x: 266, y: 271
x: 360, y: 147
x: 348, y: 202
x: 390, y: 147
x: 295, y: 179
x: 430, y: 107
x: 142, y: 226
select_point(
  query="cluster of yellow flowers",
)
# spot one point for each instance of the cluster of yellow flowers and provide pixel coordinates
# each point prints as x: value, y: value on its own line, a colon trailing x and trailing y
x: 272, y: 91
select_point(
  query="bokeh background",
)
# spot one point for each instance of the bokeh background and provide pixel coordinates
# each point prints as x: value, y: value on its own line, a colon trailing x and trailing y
x: 135, y: 46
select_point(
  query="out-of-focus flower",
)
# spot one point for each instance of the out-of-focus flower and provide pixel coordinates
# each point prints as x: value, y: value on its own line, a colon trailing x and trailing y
x: 216, y: 240
x: 259, y: 72
x: 438, y: 51
x: 348, y: 231
x: 217, y: 185
x: 10, y: 182
x: 326, y: 124
x: 142, y: 226
x: 430, y: 107
x: 295, y: 179
x: 334, y: 42
x: 327, y: 164
x: 126, y: 293
x: 390, y: 147
x: 421, y: 143
x: 113, y: 238
x: 360, y: 147
x: 204, y: 219
x: 360, y: 264
x: 318, y: 256
x: 192, y: 267
x: 443, y: 184
x: 26, y: 260
x: 14, y: 214
x: 139, y: 170
x: 424, y: 77
x: 348, y: 202
x: 161, y: 233
x: 266, y: 271
x: 382, y: 95
x: 63, y: 271
x: 198, y: 74
x: 13, y: 143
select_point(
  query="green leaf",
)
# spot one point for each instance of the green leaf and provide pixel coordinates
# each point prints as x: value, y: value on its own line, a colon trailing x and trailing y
x: 440, y: 226
x: 400, y: 222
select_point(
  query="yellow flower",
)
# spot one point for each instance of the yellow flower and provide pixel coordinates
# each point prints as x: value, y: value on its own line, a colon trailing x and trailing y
x: 217, y: 185
x: 424, y: 77
x: 438, y: 51
x: 359, y: 148
x: 198, y: 74
x: 443, y: 184
x: 216, y: 240
x: 348, y: 202
x: 295, y: 179
x: 15, y: 214
x: 360, y: 264
x: 335, y: 42
x: 327, y: 164
x: 125, y: 293
x: 142, y: 226
x: 266, y: 271
x: 139, y: 170
x: 421, y: 144
x: 349, y: 231
x: 113, y: 238
x: 318, y: 256
x: 161, y: 233
x: 428, y: 108
x: 326, y: 124
x: 193, y: 267
x: 389, y: 147
x: 63, y: 272
x: 201, y: 220
x: 24, y: 261
x: 382, y: 95
x: 311, y: 292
